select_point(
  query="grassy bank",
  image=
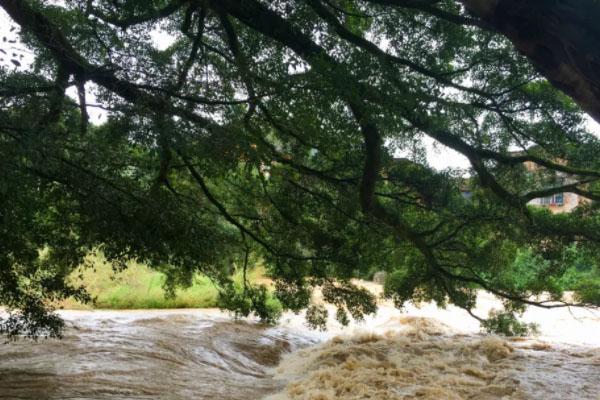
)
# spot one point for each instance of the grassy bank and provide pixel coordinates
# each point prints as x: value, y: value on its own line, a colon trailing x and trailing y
x: 140, y: 287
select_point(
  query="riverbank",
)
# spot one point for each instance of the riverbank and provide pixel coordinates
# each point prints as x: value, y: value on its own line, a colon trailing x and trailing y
x: 139, y: 287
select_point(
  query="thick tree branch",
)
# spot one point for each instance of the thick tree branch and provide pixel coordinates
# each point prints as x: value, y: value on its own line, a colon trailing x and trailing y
x: 125, y: 22
x: 73, y: 63
x: 428, y: 7
x: 387, y: 58
x: 571, y: 188
x: 560, y: 38
x: 260, y: 18
x: 197, y: 41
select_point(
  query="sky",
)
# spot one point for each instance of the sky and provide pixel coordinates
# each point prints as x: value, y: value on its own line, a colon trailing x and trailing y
x: 439, y: 156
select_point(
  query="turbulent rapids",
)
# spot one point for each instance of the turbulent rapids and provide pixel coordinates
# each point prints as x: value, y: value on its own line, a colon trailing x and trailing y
x: 425, y: 362
x: 424, y: 353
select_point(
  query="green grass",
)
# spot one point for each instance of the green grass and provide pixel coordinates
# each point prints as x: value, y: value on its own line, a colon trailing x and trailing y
x: 139, y: 287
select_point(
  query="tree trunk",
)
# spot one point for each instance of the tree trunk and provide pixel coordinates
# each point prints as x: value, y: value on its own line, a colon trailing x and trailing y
x: 560, y: 37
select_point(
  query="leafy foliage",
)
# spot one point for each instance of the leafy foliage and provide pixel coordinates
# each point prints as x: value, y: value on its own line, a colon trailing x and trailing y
x: 506, y: 323
x: 288, y: 131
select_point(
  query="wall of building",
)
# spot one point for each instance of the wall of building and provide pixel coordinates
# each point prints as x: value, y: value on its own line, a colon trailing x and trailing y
x: 570, y: 201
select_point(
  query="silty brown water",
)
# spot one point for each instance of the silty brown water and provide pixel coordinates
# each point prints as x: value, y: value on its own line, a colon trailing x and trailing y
x: 202, y: 354
x: 426, y: 361
x: 147, y: 355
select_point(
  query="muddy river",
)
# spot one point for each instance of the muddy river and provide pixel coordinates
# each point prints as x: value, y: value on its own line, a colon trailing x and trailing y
x: 422, y: 353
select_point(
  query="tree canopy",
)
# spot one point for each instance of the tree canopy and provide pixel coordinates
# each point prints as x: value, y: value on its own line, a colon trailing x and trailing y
x: 288, y: 131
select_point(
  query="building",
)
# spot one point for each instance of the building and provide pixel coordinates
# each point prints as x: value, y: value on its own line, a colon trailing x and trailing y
x: 559, y: 202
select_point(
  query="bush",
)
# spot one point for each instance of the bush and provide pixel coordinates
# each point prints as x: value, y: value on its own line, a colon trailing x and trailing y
x: 506, y: 323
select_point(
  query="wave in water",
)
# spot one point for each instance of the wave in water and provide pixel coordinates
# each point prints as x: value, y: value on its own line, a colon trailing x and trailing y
x: 148, y: 355
x: 426, y: 361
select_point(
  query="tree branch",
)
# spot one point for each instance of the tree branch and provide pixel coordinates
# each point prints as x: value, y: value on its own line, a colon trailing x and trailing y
x: 125, y: 22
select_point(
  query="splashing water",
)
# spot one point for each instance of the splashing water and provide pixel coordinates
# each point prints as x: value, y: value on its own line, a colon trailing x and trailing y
x: 427, y: 361
x: 425, y: 353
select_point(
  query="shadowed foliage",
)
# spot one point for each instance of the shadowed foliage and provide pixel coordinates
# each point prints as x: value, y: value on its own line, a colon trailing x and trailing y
x: 287, y: 131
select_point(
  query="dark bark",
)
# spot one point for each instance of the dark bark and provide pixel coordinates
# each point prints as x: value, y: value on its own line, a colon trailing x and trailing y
x: 560, y: 37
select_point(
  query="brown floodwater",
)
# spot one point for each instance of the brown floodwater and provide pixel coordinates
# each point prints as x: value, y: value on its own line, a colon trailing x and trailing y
x: 425, y: 360
x: 424, y: 353
x: 148, y: 355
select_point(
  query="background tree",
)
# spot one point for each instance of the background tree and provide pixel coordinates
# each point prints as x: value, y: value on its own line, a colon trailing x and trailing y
x: 292, y: 131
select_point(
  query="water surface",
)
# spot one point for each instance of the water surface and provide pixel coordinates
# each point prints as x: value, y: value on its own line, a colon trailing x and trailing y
x: 425, y: 353
x: 146, y: 355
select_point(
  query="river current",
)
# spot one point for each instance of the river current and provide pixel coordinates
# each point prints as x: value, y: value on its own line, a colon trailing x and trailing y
x: 423, y: 353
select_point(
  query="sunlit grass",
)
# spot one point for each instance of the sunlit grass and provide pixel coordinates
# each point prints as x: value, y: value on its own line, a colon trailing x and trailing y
x: 139, y: 287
